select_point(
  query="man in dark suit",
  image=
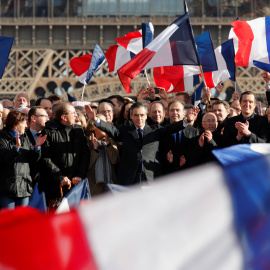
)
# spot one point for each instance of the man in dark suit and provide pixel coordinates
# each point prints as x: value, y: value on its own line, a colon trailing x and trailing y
x: 174, y: 148
x: 37, y: 117
x: 140, y: 157
x: 247, y: 127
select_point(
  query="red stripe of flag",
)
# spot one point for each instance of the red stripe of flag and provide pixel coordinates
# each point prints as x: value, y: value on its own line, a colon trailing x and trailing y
x: 245, y: 38
x: 31, y: 240
x: 124, y: 41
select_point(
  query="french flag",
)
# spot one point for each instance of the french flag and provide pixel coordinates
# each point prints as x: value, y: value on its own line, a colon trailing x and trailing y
x: 251, y: 41
x: 174, y: 46
x: 173, y: 79
x: 80, y: 66
x: 128, y: 46
x: 132, y: 41
x: 85, y: 66
x: 184, y: 78
x: 216, y: 217
x: 226, y: 65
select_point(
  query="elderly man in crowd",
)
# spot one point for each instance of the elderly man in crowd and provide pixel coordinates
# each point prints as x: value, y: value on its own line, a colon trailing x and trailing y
x: 65, y: 155
x: 21, y: 99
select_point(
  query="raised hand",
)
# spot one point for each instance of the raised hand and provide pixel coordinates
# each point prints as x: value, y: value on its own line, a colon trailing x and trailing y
x: 91, y: 114
x: 219, y: 88
x: 201, y: 141
x: 266, y: 76
x: 142, y: 94
x: 18, y: 141
x: 235, y: 95
x: 208, y: 135
x: 40, y: 140
x: 163, y: 94
x: 94, y: 141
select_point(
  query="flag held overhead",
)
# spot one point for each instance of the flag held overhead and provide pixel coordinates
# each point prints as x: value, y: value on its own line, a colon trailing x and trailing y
x: 174, y: 46
x: 97, y: 60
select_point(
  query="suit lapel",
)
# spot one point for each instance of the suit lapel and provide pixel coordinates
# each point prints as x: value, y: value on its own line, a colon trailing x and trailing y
x: 134, y: 133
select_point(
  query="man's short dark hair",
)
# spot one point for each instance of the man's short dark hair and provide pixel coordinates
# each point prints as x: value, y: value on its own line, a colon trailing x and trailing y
x: 38, y: 102
x: 61, y: 109
x: 138, y: 105
x: 247, y: 93
x: 157, y: 102
x: 33, y: 111
x: 187, y: 97
x: 225, y: 103
x: 175, y: 101
x: 54, y: 97
x: 120, y: 100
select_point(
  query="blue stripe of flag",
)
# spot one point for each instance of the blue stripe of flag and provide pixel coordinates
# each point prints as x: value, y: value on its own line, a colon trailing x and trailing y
x: 267, y: 33
x: 182, y: 42
x: 5, y: 47
x: 206, y: 52
x: 97, y: 59
x: 147, y: 34
x: 227, y: 51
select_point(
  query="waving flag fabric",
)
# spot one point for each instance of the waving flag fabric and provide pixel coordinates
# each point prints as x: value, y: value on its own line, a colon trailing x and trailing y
x: 251, y: 41
x: 173, y: 78
x: 216, y: 217
x: 181, y: 78
x: 5, y: 47
x: 147, y: 33
x: 263, y: 66
x: 80, y: 66
x: 97, y: 60
x: 132, y: 41
x: 129, y: 45
x: 174, y: 46
x: 226, y: 65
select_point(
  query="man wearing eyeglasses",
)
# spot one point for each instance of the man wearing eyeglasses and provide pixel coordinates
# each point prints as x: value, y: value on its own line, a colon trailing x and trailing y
x: 65, y: 154
x: 37, y: 117
x: 207, y: 141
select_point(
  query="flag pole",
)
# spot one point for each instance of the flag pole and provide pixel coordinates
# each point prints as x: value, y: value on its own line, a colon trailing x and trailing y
x: 142, y: 80
x: 147, y: 77
x: 83, y: 91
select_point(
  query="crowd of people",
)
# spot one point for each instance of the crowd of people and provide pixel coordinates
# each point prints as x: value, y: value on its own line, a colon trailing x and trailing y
x: 117, y: 140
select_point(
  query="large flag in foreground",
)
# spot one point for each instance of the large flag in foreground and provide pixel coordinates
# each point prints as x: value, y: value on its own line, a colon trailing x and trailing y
x: 210, y: 219
x: 174, y: 46
x: 5, y: 47
x: 251, y: 41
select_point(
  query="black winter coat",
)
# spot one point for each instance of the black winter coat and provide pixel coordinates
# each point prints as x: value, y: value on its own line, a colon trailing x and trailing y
x: 64, y: 153
x: 15, y: 179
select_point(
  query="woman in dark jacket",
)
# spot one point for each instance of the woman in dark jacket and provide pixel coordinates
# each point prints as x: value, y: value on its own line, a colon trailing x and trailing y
x: 16, y: 152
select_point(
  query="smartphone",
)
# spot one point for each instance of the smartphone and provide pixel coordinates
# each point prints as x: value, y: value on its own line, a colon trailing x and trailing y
x: 156, y: 90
